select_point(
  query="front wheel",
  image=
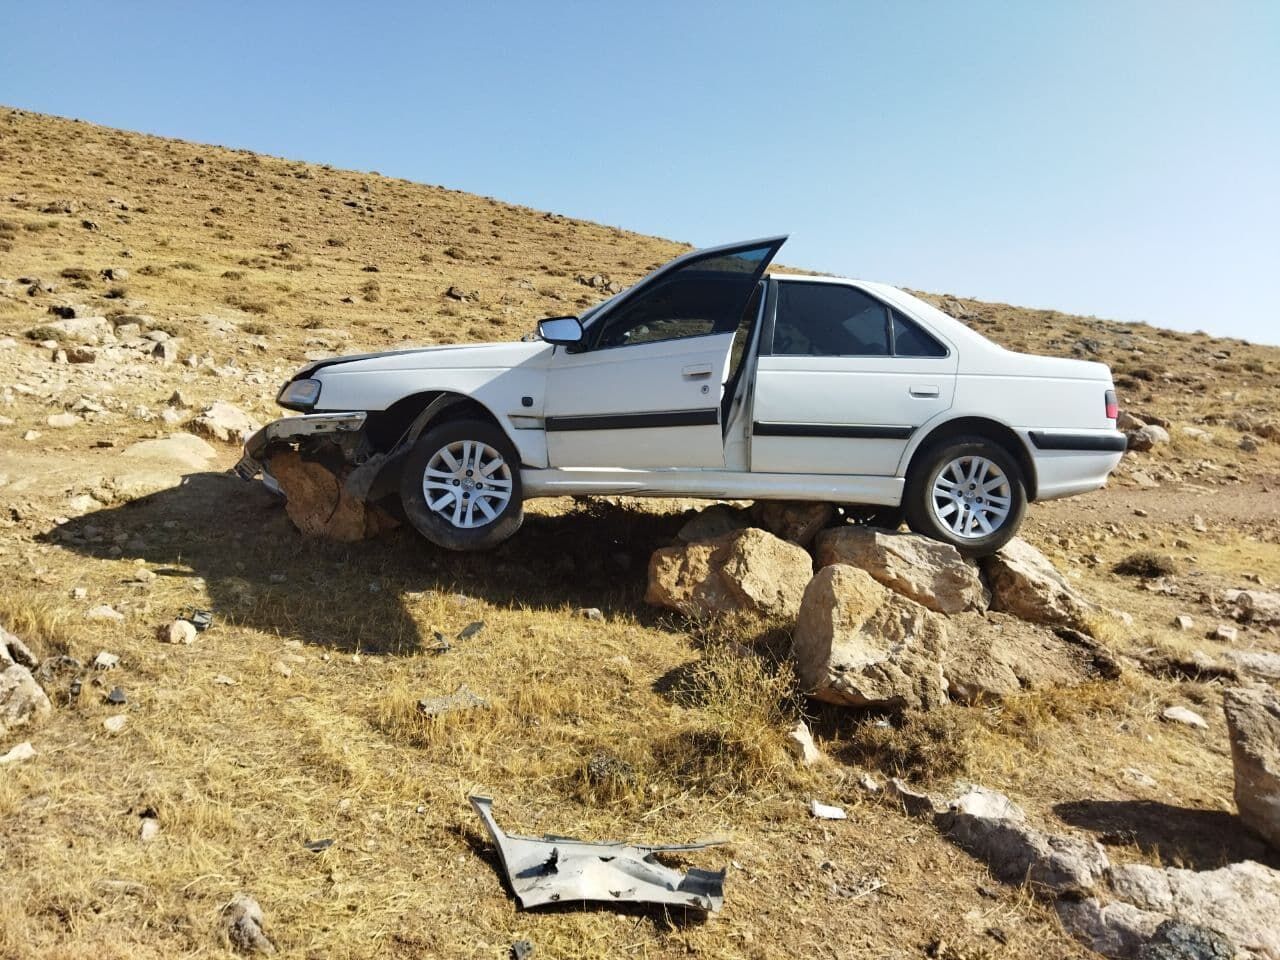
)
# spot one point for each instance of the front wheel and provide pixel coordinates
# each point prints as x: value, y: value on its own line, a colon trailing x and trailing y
x: 968, y: 492
x: 460, y: 486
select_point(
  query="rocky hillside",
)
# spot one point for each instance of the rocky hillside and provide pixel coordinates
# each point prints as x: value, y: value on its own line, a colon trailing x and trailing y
x: 218, y: 736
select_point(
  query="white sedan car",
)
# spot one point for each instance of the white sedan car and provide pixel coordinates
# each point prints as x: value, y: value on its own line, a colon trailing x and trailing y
x: 709, y: 378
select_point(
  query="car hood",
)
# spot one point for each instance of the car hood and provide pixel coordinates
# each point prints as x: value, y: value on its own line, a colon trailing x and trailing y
x: 488, y: 355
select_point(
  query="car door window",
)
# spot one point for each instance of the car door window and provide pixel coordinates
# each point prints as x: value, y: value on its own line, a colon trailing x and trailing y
x: 706, y: 297
x: 829, y: 320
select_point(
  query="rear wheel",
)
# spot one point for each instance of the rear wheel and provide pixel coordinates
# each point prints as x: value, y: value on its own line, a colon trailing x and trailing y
x: 968, y: 492
x: 460, y: 486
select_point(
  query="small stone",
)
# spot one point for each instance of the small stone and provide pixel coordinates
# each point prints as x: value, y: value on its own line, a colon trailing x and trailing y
x: 105, y: 661
x: 1184, y: 716
x: 825, y: 811
x: 114, y: 724
x: 23, y: 751
x: 242, y: 923
x: 179, y: 631
x: 1183, y: 622
x: 117, y: 697
x: 869, y: 784
x: 282, y: 669
x: 103, y: 612
x: 800, y: 743
x: 62, y: 421
x: 149, y: 830
x: 224, y: 680
x: 591, y: 613
x: 1136, y: 776
x: 1224, y: 633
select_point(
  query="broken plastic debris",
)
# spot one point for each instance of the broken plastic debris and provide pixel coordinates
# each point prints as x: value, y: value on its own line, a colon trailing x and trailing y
x: 555, y: 869
x: 202, y: 620
x: 826, y: 812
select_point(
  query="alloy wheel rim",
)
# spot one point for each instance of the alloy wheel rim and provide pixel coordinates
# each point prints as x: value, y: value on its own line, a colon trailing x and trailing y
x: 468, y: 483
x: 971, y: 497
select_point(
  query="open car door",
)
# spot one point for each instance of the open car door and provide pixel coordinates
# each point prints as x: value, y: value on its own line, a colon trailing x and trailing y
x: 643, y: 389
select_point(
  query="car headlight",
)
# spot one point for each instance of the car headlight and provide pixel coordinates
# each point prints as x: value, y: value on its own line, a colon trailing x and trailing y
x: 299, y: 394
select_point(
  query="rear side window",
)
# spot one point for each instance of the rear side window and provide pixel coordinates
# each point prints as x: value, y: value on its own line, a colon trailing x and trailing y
x: 910, y: 341
x: 831, y: 320
x: 827, y: 320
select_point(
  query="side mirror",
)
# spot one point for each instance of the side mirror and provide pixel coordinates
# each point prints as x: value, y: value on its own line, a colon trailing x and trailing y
x: 566, y: 331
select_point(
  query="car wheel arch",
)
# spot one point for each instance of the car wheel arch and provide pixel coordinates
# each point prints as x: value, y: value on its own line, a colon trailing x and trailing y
x: 995, y: 431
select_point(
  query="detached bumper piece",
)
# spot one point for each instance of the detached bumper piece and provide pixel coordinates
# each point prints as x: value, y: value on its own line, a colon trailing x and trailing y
x: 288, y: 429
x: 560, y: 870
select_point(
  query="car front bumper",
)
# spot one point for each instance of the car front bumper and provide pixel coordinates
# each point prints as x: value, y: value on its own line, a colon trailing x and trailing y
x: 289, y: 429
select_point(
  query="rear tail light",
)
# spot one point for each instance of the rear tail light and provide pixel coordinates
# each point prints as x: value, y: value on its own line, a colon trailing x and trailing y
x: 1113, y: 408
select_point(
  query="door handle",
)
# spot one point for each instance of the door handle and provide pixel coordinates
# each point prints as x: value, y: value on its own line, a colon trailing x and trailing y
x: 924, y: 390
x: 697, y: 371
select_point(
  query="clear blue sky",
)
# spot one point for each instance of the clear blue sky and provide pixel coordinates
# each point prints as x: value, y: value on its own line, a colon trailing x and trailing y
x: 1114, y: 158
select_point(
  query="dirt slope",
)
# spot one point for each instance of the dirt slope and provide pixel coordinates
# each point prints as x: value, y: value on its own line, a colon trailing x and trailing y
x: 251, y: 264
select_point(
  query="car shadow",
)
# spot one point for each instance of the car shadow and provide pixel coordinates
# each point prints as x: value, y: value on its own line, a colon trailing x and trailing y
x: 261, y: 573
x: 1180, y: 836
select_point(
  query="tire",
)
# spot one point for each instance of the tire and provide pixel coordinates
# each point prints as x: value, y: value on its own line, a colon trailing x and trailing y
x: 968, y: 492
x: 454, y: 512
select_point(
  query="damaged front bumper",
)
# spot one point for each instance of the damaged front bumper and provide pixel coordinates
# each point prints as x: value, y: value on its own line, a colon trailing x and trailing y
x: 292, y: 429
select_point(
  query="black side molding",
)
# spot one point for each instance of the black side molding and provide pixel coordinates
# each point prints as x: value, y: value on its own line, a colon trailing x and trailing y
x: 845, y: 431
x: 1078, y: 441
x: 705, y: 417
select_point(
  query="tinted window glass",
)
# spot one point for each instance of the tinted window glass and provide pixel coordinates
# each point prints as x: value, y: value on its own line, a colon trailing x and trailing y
x: 706, y: 296
x: 910, y: 341
x: 827, y: 320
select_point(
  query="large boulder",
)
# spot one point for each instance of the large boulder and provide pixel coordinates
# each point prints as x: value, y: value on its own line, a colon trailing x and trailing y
x: 1024, y: 583
x: 1240, y: 901
x: 795, y: 520
x: 22, y: 701
x: 90, y: 330
x: 318, y: 503
x: 930, y: 572
x: 713, y: 521
x: 1253, y: 722
x: 995, y: 830
x: 1146, y: 437
x: 1114, y: 929
x: 859, y: 644
x: 746, y: 571
x: 994, y: 655
x: 225, y: 422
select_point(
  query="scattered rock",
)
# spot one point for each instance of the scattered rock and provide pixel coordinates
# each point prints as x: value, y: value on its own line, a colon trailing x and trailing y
x: 1239, y: 901
x: 931, y: 573
x: 1113, y: 930
x: 116, y: 697
x: 800, y: 743
x: 282, y: 668
x: 18, y: 753
x: 460, y: 699
x: 1255, y: 606
x: 1183, y: 622
x: 591, y: 613
x: 1175, y: 940
x: 1255, y: 663
x: 105, y: 661
x: 1224, y: 633
x: 859, y: 644
x: 1184, y: 716
x: 1253, y: 723
x: 1146, y: 437
x: 994, y: 829
x: 181, y: 449
x: 149, y: 829
x: 224, y: 422
x: 85, y: 330
x: 793, y: 520
x: 242, y: 923
x: 23, y: 702
x: 61, y: 421
x: 824, y: 811
x: 748, y: 570
x: 1024, y: 583
x: 179, y: 631
x: 115, y: 723
x: 915, y: 803
x: 13, y: 650
x: 103, y: 611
